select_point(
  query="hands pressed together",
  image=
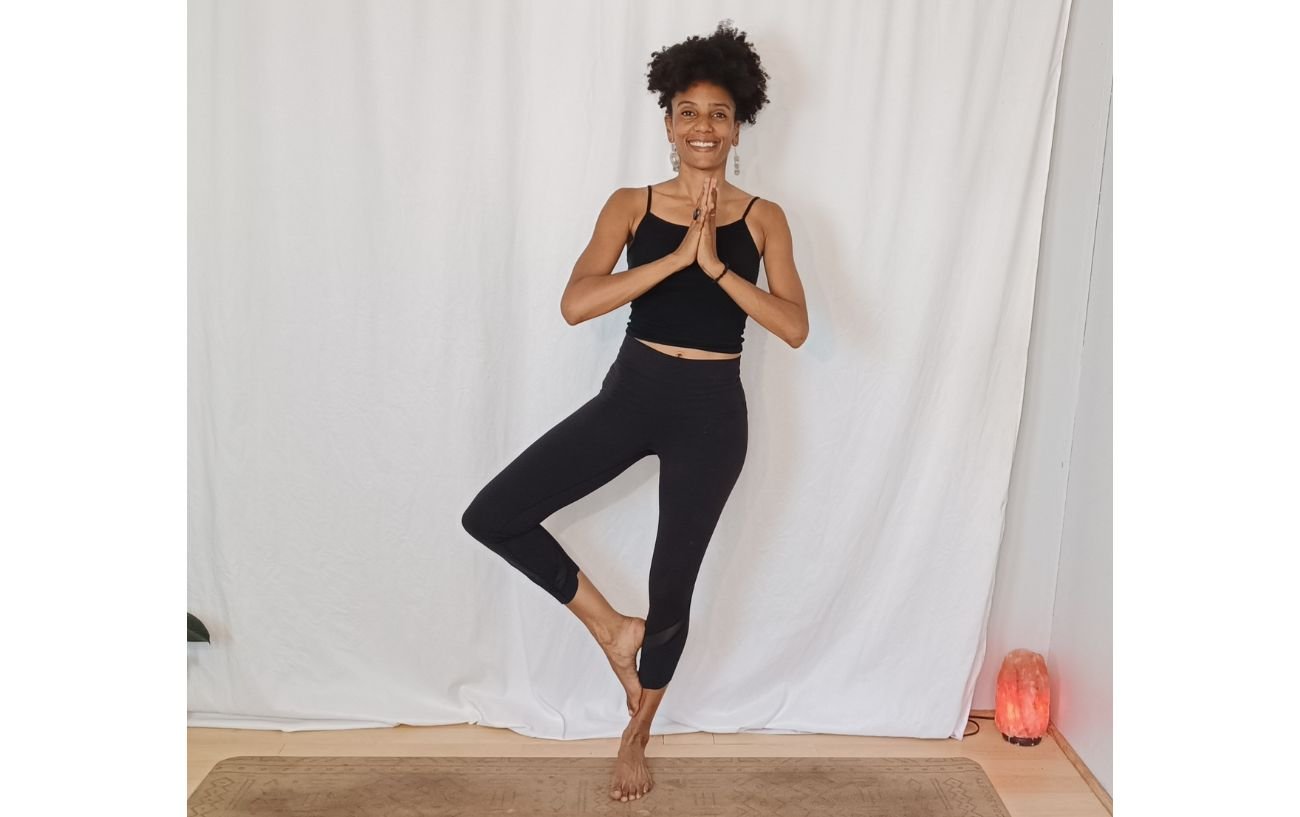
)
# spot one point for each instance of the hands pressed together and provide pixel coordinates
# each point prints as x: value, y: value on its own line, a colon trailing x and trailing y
x: 700, y: 244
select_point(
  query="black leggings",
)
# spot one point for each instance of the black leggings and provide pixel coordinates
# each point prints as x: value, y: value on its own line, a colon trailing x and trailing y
x: 692, y: 414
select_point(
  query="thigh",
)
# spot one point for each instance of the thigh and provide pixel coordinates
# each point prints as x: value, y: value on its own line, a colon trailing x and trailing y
x: 700, y: 462
x: 582, y: 452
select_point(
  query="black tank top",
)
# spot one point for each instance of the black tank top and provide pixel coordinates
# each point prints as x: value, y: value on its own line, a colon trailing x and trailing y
x: 688, y: 308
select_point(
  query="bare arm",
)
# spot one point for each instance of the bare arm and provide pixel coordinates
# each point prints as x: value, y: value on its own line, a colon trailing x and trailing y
x: 593, y: 290
x: 591, y: 296
x: 782, y: 311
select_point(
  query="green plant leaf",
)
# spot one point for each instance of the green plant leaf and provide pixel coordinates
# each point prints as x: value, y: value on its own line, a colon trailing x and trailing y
x: 197, y: 631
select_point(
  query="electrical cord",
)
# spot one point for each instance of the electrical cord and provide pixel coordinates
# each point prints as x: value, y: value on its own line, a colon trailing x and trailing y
x: 970, y: 720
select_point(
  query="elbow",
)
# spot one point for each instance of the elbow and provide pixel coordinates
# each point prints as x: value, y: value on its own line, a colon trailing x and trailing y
x: 571, y: 307
x: 797, y: 341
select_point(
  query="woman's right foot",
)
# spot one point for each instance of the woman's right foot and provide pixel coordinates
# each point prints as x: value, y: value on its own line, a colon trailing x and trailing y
x: 621, y: 649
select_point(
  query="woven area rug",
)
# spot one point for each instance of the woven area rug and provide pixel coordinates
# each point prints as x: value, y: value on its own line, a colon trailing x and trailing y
x: 525, y: 786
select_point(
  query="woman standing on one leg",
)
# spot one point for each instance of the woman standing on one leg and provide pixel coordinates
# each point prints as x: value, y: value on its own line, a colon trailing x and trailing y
x: 674, y: 389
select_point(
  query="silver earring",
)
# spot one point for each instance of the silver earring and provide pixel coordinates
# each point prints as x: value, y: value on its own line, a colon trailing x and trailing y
x: 675, y: 159
x: 735, y: 155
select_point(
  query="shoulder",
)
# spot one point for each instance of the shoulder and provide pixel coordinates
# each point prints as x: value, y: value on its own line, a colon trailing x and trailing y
x: 628, y: 202
x: 630, y: 195
x: 631, y: 207
x: 771, y: 221
x: 623, y: 198
x: 769, y: 212
x: 622, y: 207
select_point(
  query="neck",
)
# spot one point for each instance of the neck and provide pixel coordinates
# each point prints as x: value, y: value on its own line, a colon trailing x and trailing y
x: 690, y: 180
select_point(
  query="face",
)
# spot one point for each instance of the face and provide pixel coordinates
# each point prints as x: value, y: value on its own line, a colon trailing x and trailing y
x: 703, y: 112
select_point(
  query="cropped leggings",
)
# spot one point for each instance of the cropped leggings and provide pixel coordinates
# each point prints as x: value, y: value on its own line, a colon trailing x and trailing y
x: 692, y: 415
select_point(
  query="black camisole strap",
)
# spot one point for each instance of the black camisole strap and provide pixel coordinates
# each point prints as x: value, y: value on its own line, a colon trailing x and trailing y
x: 649, y: 193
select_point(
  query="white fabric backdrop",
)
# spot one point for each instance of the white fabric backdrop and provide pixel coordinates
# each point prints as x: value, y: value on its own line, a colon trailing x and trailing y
x: 386, y: 200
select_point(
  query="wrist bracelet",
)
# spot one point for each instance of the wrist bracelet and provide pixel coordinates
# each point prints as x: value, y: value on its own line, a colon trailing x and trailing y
x: 725, y: 270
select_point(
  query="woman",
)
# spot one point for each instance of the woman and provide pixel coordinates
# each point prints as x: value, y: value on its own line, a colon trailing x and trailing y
x: 674, y: 389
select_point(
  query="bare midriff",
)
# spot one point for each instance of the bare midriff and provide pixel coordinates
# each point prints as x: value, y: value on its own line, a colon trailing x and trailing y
x: 687, y: 352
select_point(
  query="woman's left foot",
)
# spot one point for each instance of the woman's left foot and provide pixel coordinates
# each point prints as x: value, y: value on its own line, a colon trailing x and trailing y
x: 632, y: 778
x: 621, y: 649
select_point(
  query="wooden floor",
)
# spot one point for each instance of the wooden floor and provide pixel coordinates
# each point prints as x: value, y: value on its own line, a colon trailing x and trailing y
x: 1032, y: 781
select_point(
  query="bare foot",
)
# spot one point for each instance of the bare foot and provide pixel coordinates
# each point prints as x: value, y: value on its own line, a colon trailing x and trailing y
x: 631, y: 773
x: 621, y: 649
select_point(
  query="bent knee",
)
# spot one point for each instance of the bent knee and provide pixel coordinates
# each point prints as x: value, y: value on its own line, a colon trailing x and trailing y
x: 480, y: 521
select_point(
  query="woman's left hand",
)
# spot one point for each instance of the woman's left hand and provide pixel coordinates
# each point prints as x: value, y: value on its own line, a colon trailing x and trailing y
x: 706, y: 254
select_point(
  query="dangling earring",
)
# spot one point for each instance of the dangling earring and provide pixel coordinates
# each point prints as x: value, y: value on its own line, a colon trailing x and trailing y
x: 735, y: 155
x: 675, y: 159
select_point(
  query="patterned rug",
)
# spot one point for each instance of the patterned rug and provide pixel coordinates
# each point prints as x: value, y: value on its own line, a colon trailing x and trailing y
x: 525, y: 786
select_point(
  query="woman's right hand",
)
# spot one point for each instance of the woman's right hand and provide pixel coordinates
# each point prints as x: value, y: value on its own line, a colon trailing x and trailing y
x: 685, y: 254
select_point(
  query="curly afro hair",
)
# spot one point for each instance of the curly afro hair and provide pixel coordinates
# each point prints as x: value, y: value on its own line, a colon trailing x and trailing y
x: 724, y: 58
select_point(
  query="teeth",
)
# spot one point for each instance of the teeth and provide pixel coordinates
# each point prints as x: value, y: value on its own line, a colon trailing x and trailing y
x: 702, y: 144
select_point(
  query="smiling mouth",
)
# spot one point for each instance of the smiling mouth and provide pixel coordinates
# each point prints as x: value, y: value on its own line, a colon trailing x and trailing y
x: 702, y: 147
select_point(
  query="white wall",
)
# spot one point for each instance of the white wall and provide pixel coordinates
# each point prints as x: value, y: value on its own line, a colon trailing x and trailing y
x: 1053, y: 591
x: 1080, y: 652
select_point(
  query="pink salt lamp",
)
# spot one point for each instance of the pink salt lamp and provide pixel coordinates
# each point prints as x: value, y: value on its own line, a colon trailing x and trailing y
x: 1023, y: 699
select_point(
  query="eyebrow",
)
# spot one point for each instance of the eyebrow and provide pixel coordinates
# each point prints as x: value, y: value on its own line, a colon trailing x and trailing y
x: 690, y: 102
